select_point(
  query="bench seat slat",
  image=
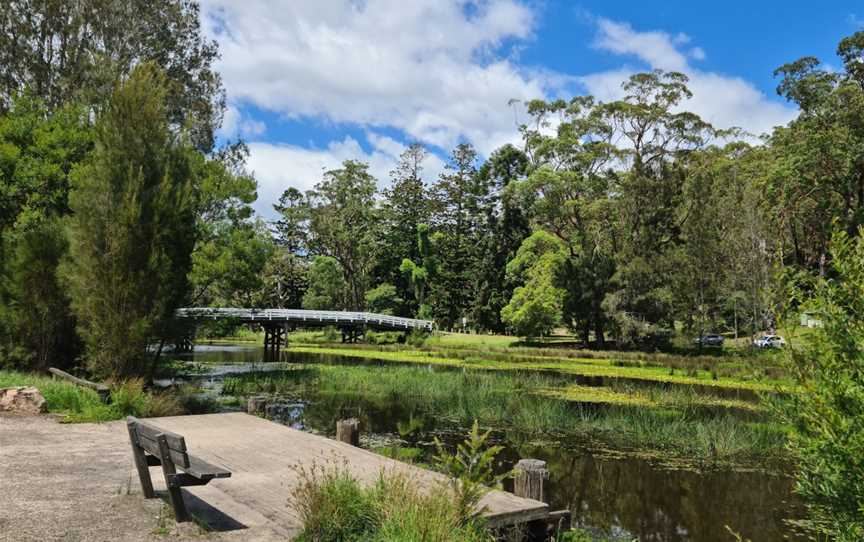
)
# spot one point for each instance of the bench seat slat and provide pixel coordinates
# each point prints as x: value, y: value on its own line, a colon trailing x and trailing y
x: 204, y: 470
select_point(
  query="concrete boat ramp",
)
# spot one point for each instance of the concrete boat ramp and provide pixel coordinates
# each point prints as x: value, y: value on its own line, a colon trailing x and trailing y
x: 253, y: 504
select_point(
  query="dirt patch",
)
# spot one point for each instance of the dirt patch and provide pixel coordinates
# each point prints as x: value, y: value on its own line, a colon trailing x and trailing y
x: 76, y: 482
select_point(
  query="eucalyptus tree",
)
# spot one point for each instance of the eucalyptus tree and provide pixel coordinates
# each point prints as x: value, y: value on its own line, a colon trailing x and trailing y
x: 567, y: 195
x: 66, y: 52
x: 654, y: 139
x: 343, y: 224
x: 817, y: 175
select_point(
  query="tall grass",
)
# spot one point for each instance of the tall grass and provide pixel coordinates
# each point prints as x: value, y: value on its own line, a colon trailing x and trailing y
x: 513, y: 401
x: 77, y: 404
x: 334, y: 506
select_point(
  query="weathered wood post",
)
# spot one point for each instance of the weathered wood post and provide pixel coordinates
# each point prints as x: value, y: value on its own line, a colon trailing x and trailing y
x: 256, y: 404
x: 530, y: 476
x: 169, y: 470
x: 140, y: 462
x: 348, y: 431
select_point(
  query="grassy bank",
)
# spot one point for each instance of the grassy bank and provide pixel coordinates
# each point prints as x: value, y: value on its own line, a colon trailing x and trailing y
x: 590, y: 367
x: 77, y: 404
x: 674, y: 422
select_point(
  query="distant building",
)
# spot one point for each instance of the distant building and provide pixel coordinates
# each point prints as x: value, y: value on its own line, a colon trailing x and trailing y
x: 810, y: 319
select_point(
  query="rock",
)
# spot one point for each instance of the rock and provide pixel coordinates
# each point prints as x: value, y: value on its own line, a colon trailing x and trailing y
x: 27, y: 400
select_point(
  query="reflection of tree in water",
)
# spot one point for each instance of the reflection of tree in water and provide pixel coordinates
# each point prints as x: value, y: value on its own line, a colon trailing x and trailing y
x: 652, y: 503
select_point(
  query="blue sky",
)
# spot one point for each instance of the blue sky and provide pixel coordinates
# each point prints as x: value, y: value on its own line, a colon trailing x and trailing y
x: 311, y: 83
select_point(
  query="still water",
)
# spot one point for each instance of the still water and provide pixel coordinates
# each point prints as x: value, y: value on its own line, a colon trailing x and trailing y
x: 619, y: 495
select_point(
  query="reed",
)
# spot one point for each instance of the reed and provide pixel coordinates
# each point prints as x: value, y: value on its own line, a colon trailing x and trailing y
x: 521, y: 402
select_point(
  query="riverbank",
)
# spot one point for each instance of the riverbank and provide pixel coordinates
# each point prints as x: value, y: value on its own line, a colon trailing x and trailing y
x: 71, y: 403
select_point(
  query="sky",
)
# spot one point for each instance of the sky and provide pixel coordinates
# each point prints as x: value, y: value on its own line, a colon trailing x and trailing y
x: 311, y: 83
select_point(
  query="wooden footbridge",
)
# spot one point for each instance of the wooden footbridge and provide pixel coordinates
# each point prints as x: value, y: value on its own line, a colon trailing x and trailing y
x: 277, y: 323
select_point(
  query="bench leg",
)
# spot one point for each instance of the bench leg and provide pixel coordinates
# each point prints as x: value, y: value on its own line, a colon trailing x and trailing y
x: 168, y: 469
x: 140, y: 463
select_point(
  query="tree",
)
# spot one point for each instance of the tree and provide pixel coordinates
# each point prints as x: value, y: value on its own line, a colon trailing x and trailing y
x: 505, y: 228
x: 327, y: 288
x: 132, y: 230
x: 39, y: 327
x: 285, y: 280
x: 228, y: 267
x: 817, y: 175
x: 383, y: 299
x: 826, y: 412
x: 568, y: 195
x: 649, y: 196
x: 405, y: 206
x: 38, y: 150
x: 291, y: 228
x: 420, y: 273
x: 459, y: 199
x: 536, y: 307
x: 76, y: 52
x: 342, y: 224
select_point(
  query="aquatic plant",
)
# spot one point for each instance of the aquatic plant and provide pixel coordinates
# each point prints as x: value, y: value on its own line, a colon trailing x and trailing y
x: 672, y: 420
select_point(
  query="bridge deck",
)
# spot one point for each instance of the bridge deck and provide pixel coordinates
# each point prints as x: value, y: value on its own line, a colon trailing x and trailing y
x: 306, y: 318
x: 263, y: 457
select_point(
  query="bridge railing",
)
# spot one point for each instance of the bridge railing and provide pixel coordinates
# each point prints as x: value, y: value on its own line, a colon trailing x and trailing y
x: 299, y: 316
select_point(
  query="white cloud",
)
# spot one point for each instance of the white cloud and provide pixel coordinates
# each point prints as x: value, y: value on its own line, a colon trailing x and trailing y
x: 720, y: 99
x: 434, y: 69
x: 235, y: 123
x: 658, y: 49
x: 278, y: 167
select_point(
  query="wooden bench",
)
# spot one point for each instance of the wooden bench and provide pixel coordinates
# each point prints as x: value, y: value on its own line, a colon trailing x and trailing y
x: 153, y: 446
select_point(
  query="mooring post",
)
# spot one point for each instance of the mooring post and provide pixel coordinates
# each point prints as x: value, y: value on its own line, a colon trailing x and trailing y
x: 348, y: 431
x: 530, y: 476
x: 256, y: 404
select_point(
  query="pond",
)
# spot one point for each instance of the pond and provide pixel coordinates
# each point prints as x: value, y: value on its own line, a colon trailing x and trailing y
x: 618, y: 494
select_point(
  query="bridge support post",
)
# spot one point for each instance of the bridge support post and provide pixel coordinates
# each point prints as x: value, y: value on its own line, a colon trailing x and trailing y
x: 186, y: 341
x: 275, y: 335
x: 351, y: 334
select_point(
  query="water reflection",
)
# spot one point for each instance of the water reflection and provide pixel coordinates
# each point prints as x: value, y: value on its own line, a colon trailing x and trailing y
x: 615, y: 495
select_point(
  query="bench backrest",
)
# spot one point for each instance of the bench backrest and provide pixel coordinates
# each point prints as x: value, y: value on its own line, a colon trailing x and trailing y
x: 147, y: 434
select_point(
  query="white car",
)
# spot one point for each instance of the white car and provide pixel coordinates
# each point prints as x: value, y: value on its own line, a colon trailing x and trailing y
x: 769, y: 341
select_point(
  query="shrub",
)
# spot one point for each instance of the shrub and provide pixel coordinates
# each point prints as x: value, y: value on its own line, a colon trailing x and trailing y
x: 129, y: 399
x: 827, y: 417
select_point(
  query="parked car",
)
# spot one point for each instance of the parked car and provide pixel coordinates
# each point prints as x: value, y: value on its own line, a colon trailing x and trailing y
x: 710, y: 340
x: 769, y: 341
